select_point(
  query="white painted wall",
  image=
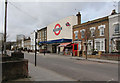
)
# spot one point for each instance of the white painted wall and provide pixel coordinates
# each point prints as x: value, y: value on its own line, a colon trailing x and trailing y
x: 66, y: 31
x: 113, y: 19
x: 32, y: 39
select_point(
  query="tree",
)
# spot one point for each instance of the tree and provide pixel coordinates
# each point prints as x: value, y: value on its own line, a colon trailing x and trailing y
x: 87, y: 37
x: 89, y: 34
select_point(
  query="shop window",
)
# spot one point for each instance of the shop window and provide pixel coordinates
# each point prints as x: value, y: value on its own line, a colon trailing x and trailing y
x: 79, y: 46
x: 116, y: 28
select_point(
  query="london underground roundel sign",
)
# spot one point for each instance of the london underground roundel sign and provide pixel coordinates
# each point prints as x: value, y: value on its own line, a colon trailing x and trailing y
x: 57, y: 29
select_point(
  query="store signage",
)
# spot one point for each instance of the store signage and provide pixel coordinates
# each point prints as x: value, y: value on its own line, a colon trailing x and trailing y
x: 67, y: 24
x: 57, y: 29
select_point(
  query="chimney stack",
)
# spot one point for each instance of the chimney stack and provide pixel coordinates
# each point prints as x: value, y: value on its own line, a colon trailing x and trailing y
x: 113, y: 12
x: 79, y: 18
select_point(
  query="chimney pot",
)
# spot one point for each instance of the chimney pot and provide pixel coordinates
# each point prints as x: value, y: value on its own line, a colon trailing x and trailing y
x: 113, y: 12
x: 79, y: 18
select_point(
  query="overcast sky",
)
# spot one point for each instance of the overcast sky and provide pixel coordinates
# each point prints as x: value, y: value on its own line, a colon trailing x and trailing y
x: 25, y: 17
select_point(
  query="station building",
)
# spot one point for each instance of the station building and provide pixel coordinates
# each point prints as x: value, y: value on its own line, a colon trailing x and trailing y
x: 59, y: 34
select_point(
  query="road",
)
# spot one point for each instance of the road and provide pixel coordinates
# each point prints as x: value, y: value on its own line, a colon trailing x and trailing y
x: 82, y: 70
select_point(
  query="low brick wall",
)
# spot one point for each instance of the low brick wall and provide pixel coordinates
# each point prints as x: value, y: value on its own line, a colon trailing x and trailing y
x: 14, y: 69
x: 92, y: 56
x: 110, y: 56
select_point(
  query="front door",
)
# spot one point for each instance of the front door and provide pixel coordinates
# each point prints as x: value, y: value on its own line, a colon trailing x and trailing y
x: 54, y: 49
x: 118, y: 45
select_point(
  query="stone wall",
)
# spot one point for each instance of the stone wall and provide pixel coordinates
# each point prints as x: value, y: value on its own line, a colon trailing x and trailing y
x: 14, y: 69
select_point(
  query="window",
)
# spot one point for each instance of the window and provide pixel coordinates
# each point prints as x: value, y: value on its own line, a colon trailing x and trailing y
x: 118, y: 45
x: 76, y: 34
x: 43, y: 34
x: 98, y: 46
x: 92, y: 29
x: 40, y: 34
x: 82, y: 33
x: 102, y: 44
x: 116, y: 28
x: 101, y: 29
x: 92, y: 32
x: 102, y: 32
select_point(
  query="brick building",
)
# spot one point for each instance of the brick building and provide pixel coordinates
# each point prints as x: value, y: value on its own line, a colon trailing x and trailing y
x: 41, y: 37
x: 92, y: 35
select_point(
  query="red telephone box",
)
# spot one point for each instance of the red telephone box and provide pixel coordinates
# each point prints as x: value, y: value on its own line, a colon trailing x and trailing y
x: 75, y: 48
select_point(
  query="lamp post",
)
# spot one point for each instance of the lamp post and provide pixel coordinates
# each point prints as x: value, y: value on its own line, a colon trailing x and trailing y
x: 86, y: 49
x: 5, y: 27
x: 35, y: 48
x: 44, y: 42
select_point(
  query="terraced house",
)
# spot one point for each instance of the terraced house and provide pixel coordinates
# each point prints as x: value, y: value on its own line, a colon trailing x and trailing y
x: 114, y: 29
x: 92, y: 36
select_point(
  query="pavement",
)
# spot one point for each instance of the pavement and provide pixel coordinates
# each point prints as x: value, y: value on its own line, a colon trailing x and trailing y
x: 97, y: 60
x: 39, y: 73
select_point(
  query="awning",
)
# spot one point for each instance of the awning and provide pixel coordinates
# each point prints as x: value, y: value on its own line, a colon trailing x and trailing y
x: 64, y: 44
x: 56, y: 41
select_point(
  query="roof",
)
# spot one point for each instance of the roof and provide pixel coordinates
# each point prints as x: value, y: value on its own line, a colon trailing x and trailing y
x: 55, y: 41
x: 91, y: 22
x: 42, y: 29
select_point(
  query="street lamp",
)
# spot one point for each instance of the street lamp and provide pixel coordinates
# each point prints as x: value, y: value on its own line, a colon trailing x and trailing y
x: 35, y: 48
x: 44, y: 42
x: 5, y: 27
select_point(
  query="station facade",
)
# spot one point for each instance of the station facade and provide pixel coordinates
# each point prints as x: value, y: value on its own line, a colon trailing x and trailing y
x: 60, y: 32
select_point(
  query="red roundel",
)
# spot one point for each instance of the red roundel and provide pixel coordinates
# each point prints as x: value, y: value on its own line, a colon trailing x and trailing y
x: 57, y: 29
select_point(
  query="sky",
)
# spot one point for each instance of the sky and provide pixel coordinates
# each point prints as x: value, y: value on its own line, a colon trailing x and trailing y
x: 25, y: 17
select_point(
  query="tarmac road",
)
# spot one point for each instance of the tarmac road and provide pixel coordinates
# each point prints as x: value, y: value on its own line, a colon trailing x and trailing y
x: 81, y: 70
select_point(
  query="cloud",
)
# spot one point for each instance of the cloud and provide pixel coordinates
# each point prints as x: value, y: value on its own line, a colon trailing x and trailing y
x: 25, y: 17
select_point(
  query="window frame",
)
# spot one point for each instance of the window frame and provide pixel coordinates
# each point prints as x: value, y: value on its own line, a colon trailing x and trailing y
x: 76, y: 34
x: 101, y: 29
x: 83, y: 30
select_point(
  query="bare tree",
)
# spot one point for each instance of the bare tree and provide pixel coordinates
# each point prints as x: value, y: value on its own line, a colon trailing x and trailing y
x: 87, y: 37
